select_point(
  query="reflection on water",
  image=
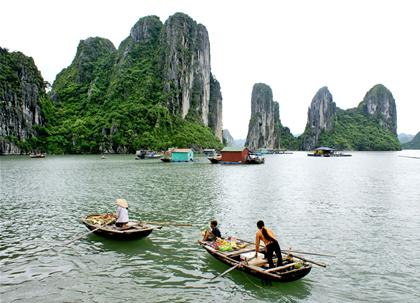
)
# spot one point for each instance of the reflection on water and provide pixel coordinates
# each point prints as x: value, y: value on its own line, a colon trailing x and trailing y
x: 363, y: 209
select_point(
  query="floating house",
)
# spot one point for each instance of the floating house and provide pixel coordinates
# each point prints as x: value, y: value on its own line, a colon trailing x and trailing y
x: 322, y: 151
x: 234, y: 155
x: 182, y: 155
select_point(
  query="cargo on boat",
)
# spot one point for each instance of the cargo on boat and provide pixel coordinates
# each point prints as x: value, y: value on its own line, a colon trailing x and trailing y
x: 239, y: 253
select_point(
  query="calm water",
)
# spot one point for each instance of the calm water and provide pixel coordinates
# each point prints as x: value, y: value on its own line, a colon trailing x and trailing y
x: 365, y: 210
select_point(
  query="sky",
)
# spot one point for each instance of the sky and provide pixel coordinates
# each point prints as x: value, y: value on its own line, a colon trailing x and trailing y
x: 295, y: 47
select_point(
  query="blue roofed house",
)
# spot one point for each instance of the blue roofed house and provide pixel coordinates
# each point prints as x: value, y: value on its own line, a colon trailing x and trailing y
x: 182, y: 155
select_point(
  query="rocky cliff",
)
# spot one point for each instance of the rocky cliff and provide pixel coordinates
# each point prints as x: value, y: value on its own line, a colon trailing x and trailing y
x: 215, y: 108
x: 321, y: 115
x: 156, y: 90
x: 379, y: 104
x: 21, y: 90
x: 261, y: 130
x: 227, y: 138
x: 370, y: 126
x: 187, y: 71
x: 265, y: 129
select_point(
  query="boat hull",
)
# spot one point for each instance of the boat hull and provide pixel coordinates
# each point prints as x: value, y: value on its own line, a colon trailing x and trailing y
x: 256, y: 161
x: 287, y: 276
x: 214, y: 160
x: 108, y: 232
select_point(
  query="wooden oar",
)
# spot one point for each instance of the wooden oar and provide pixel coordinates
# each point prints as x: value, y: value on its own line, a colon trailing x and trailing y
x: 167, y: 223
x: 89, y: 232
x: 84, y: 235
x: 310, y: 253
x: 309, y: 261
x: 294, y: 251
x: 232, y: 268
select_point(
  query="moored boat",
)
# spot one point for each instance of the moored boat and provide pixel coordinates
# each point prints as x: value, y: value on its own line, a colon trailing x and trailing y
x: 37, y: 155
x: 103, y: 225
x: 324, y: 151
x: 255, y: 159
x: 240, y: 254
x: 147, y: 154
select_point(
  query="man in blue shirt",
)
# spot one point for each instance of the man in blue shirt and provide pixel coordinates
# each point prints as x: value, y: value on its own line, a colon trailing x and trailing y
x: 213, y: 233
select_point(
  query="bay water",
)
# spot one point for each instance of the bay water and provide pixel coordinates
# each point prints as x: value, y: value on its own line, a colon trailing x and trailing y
x: 364, y: 209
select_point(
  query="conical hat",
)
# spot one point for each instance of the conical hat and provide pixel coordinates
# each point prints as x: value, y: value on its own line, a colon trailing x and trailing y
x: 122, y: 203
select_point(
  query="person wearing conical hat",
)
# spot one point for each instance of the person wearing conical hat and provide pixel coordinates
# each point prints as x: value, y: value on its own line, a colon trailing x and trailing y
x: 122, y: 213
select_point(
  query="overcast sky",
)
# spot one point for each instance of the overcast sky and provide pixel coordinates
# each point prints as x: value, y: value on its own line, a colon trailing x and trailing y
x: 295, y: 47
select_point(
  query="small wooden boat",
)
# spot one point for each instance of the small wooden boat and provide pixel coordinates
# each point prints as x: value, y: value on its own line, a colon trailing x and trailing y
x: 143, y: 154
x: 292, y: 268
x: 135, y: 230
x: 255, y: 159
x: 165, y: 159
x: 37, y: 155
x: 340, y: 154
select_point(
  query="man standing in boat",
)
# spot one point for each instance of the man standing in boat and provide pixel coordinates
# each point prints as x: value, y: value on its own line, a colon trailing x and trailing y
x: 271, y: 245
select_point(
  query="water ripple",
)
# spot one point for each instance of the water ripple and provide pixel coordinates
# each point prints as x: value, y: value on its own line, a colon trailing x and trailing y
x: 363, y: 209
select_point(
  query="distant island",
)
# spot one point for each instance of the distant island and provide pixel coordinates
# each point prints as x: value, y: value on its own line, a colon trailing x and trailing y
x: 370, y: 126
x: 413, y: 144
x: 155, y: 91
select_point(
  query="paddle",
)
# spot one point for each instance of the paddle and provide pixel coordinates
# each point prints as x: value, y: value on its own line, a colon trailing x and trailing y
x: 309, y: 253
x: 232, y: 268
x: 167, y: 223
x: 299, y: 252
x: 306, y: 260
x: 89, y: 232
x: 84, y: 235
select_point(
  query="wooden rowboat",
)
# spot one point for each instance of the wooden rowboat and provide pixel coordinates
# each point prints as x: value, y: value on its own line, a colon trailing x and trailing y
x: 292, y: 268
x: 38, y: 155
x: 135, y: 231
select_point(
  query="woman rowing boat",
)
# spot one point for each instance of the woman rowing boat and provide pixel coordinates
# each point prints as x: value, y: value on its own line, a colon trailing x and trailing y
x: 271, y: 244
x: 122, y: 213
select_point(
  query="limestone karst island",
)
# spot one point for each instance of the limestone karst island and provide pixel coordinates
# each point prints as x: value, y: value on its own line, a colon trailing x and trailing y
x: 157, y: 91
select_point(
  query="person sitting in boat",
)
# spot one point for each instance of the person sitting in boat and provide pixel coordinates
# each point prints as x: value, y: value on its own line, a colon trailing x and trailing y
x: 213, y: 233
x: 122, y: 213
x: 271, y: 245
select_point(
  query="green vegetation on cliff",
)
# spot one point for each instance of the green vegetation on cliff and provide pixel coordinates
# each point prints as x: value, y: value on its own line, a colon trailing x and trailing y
x: 287, y: 140
x: 354, y: 131
x: 112, y: 100
x: 370, y: 126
